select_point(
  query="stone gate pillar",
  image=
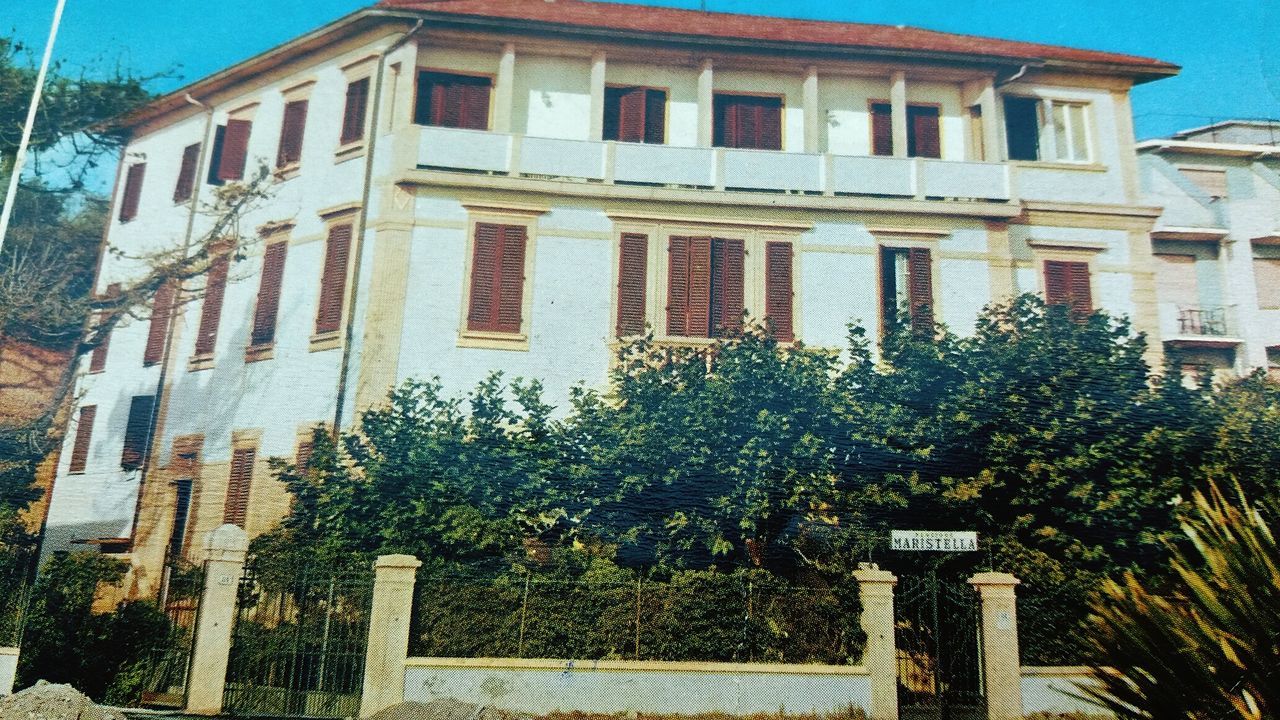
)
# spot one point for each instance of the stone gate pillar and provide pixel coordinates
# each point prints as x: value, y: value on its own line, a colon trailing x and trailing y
x: 1001, y: 666
x: 388, y: 646
x: 880, y: 656
x: 225, y: 552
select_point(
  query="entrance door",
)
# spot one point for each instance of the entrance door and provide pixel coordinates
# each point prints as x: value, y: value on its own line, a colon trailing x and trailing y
x: 939, y: 650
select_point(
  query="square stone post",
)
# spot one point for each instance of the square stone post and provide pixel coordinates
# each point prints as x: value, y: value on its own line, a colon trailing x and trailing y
x: 225, y: 552
x: 599, y: 70
x: 880, y: 656
x: 392, y: 607
x: 898, y: 113
x: 1001, y: 666
x: 706, y: 104
x: 812, y: 121
x: 504, y: 87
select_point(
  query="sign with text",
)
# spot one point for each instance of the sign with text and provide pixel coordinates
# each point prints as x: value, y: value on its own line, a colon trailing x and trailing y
x: 934, y: 540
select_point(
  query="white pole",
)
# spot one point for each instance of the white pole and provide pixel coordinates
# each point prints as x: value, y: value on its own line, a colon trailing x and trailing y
x: 21, y: 158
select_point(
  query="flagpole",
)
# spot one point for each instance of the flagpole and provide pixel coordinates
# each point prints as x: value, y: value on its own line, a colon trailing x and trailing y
x: 21, y: 158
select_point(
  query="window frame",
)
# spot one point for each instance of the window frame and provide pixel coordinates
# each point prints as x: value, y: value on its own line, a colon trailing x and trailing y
x: 782, y: 117
x: 422, y: 70
x: 1047, y: 150
x: 871, y: 135
x: 666, y: 112
x: 893, y: 245
x: 479, y: 215
x: 270, y: 238
x: 342, y: 215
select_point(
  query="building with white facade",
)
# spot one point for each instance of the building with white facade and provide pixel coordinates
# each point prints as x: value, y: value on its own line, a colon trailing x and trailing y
x: 470, y: 185
x: 1217, y: 244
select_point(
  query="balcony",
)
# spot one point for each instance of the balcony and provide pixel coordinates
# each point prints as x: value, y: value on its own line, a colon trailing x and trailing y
x: 1196, y: 326
x: 666, y: 166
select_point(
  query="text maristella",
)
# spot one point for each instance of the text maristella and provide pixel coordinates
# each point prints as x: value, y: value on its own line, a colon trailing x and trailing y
x: 934, y: 540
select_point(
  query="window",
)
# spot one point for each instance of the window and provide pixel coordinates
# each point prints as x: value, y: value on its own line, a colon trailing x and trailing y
x: 705, y: 294
x: 158, y: 332
x: 84, y: 433
x: 1042, y: 129
x: 137, y: 432
x: 268, y: 305
x: 186, y: 184
x: 233, y: 149
x: 292, y: 129
x: 333, y: 281
x: 354, y: 111
x: 635, y: 114
x: 633, y: 262
x: 236, y: 507
x: 1213, y: 181
x: 211, y: 311
x: 1266, y: 271
x: 923, y: 130
x: 744, y: 121
x: 906, y: 288
x: 778, y: 290
x: 1067, y: 283
x: 496, y: 301
x: 1176, y: 280
x: 181, y: 515
x: 132, y: 192
x: 215, y: 157
x: 98, y: 358
x: 302, y: 458
x: 448, y: 100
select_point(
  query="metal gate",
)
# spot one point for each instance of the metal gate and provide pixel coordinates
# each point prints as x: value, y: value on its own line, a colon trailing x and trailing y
x: 298, y: 646
x: 939, y: 650
x: 169, y: 661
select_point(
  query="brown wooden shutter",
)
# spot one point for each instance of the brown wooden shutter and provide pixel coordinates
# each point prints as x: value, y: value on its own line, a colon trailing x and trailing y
x: 302, y: 459
x: 98, y: 358
x: 699, y: 312
x: 725, y: 129
x: 333, y: 282
x: 633, y: 262
x: 84, y: 434
x: 1079, y: 287
x: 236, y: 507
x: 779, y: 292
x: 264, y: 314
x: 132, y: 192
x: 925, y: 140
x: 475, y: 112
x: 161, y: 310
x: 235, y: 150
x: 483, y: 303
x: 631, y: 115
x: 920, y: 277
x: 292, y: 130
x: 215, y: 155
x: 655, y: 117
x: 353, y: 113
x: 137, y: 432
x: 215, y: 288
x: 727, y: 258
x: 678, y: 286
x: 186, y: 185
x: 881, y: 129
x: 511, y: 279
x: 769, y: 135
x: 1067, y: 283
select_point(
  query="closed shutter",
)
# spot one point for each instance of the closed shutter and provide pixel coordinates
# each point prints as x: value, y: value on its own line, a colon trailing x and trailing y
x: 264, y: 314
x: 186, y: 185
x: 1266, y: 271
x: 215, y: 288
x: 633, y: 260
x: 353, y: 113
x: 84, y: 434
x: 769, y: 113
x: 511, y: 280
x: 496, y: 301
x: 161, y: 310
x: 235, y: 150
x: 1067, y: 283
x: 98, y: 358
x: 452, y: 101
x: 655, y: 117
x: 236, y: 508
x: 475, y: 110
x: 699, y: 303
x: 215, y: 157
x: 292, y: 130
x: 302, y: 459
x: 748, y: 122
x: 137, y: 432
x: 725, y: 131
x: 678, y: 286
x: 1080, y: 288
x: 631, y: 115
x: 881, y: 129
x: 920, y: 279
x: 727, y: 257
x: 925, y: 140
x: 779, y: 291
x: 333, y: 282
x: 132, y: 192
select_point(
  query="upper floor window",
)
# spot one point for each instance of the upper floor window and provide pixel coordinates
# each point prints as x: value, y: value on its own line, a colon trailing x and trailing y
x: 292, y: 129
x: 1213, y: 181
x: 923, y: 130
x: 235, y: 509
x: 496, y: 294
x: 263, y: 332
x: 1266, y: 271
x: 215, y: 288
x: 705, y: 293
x: 333, y: 279
x: 84, y: 435
x: 354, y: 110
x: 230, y: 151
x: 137, y: 432
x: 1067, y: 283
x: 1051, y: 130
x: 186, y: 185
x: 158, y: 331
x: 132, y: 192
x: 451, y: 100
x: 906, y: 287
x: 635, y: 114
x: 748, y: 121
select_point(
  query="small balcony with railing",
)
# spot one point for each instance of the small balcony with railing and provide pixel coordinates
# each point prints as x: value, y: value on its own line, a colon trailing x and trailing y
x: 1203, y: 326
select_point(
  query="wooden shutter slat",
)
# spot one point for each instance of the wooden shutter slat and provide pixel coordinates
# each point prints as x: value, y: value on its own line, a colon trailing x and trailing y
x: 925, y: 139
x: 1079, y: 287
x: 920, y: 290
x: 268, y: 306
x: 476, y: 116
x: 353, y: 115
x: 235, y: 149
x: 137, y: 432
x: 132, y: 191
x: 727, y: 281
x: 292, y: 130
x: 881, y: 129
x: 699, y: 312
x: 655, y: 118
x: 84, y: 435
x: 236, y: 507
x: 631, y: 115
x: 511, y: 279
x: 482, y: 305
x: 678, y: 286
x: 770, y: 124
x: 333, y: 281
x: 779, y: 291
x: 186, y: 184
x: 211, y: 309
x: 633, y: 261
x: 161, y: 310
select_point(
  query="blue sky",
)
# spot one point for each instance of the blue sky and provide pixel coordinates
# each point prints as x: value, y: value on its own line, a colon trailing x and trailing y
x: 1230, y: 53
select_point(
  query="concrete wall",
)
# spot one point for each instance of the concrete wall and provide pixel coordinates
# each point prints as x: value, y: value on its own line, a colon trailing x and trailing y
x: 1052, y: 690
x: 544, y: 686
x: 8, y: 669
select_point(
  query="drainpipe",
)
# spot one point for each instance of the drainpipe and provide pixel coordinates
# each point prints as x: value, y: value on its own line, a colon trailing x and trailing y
x: 344, y: 369
x: 1021, y: 71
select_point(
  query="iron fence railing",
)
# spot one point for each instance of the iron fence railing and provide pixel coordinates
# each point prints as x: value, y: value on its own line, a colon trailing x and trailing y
x: 1203, y: 321
x: 17, y: 570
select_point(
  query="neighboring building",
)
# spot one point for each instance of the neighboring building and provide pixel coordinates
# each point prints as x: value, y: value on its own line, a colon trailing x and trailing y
x: 1217, y: 245
x: 469, y: 185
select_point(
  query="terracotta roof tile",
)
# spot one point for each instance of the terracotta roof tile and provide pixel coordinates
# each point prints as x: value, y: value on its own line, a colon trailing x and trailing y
x: 648, y: 19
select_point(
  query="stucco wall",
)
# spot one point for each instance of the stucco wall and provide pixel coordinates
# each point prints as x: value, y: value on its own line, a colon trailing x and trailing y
x: 8, y: 669
x: 1054, y: 690
x: 544, y: 686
